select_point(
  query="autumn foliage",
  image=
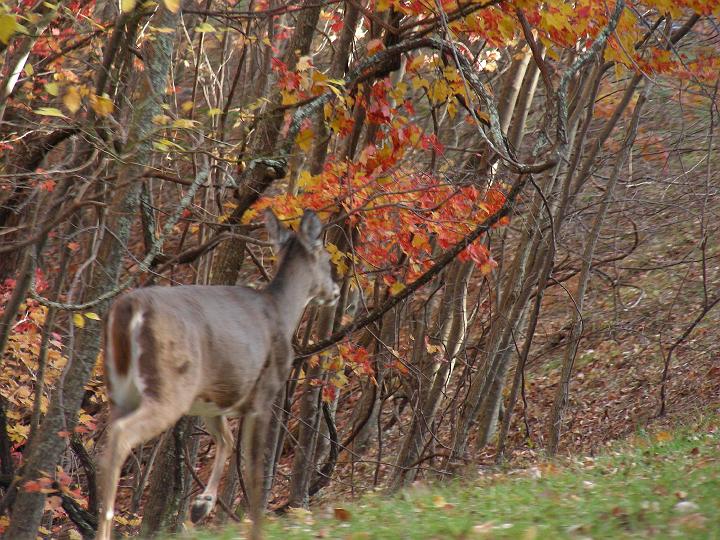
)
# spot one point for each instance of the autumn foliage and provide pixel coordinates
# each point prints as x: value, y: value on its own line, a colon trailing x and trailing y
x: 467, y: 157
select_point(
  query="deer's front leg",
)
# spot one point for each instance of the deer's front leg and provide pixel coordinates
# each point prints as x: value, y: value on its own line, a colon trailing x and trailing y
x: 221, y: 434
x: 254, y: 437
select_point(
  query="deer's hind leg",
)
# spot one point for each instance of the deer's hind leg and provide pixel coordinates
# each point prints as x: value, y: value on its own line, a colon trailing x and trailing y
x: 220, y: 431
x: 147, y: 421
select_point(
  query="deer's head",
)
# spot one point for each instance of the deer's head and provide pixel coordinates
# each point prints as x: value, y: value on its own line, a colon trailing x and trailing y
x: 307, y: 244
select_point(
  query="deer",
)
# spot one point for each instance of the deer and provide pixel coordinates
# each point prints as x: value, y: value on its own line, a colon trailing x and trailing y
x: 211, y: 351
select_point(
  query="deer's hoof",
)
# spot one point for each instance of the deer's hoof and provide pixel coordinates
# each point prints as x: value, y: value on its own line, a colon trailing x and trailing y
x: 201, y: 507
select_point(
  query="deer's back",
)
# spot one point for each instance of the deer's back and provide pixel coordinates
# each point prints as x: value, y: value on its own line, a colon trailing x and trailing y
x: 213, y: 340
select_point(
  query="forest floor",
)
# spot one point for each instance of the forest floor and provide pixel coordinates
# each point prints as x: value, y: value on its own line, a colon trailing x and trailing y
x: 660, y: 484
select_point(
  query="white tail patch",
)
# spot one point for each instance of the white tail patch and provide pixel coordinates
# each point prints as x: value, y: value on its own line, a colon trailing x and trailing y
x: 127, y: 389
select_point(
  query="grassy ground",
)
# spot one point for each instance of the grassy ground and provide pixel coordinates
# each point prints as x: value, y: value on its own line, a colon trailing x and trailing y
x: 662, y: 485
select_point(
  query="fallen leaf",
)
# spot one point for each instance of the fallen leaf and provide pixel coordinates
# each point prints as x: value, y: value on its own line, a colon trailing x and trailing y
x: 685, y: 507
x: 483, y: 528
x: 72, y: 99
x: 341, y: 514
x: 49, y: 111
x: 439, y: 501
x: 102, y: 105
x: 172, y: 6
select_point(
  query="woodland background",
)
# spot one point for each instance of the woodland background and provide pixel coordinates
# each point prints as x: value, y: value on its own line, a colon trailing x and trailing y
x: 522, y: 201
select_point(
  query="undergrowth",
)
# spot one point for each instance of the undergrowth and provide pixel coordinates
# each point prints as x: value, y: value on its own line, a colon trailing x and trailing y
x: 661, y: 485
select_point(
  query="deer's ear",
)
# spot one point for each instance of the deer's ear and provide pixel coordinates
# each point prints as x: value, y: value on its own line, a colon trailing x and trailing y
x: 311, y: 229
x: 277, y: 233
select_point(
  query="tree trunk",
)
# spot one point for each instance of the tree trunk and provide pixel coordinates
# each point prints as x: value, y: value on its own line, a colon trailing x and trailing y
x: 563, y: 389
x: 303, y: 462
x: 452, y: 323
x: 165, y: 506
x: 47, y: 447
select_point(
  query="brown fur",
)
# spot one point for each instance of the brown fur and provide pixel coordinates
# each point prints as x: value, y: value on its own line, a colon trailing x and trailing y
x: 122, y: 313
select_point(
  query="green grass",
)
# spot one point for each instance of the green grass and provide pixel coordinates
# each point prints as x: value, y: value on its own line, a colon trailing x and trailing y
x: 632, y: 491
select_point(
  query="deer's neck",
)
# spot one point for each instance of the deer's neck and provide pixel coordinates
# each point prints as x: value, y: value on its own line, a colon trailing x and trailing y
x: 290, y: 288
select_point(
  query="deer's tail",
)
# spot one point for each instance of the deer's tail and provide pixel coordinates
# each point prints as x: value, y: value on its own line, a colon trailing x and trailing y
x: 122, y: 350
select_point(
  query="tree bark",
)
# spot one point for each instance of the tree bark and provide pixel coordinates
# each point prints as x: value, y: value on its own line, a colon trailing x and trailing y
x: 563, y: 389
x: 49, y: 444
x: 165, y: 505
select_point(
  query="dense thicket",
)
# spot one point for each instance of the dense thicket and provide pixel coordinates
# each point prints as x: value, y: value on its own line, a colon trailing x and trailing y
x: 501, y: 181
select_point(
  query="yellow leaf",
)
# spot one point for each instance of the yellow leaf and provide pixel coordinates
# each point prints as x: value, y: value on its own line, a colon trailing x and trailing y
x: 214, y: 111
x: 102, y: 105
x: 160, y: 147
x: 432, y: 349
x: 49, y: 111
x: 163, y: 30
x: 486, y: 268
x: 72, y: 99
x: 319, y: 78
x: 304, y: 139
x: 78, y: 320
x: 29, y: 69
x: 438, y: 91
x: 92, y: 316
x: 288, y: 97
x: 419, y: 240
x: 186, y: 106
x: 439, y: 502
x: 419, y: 82
x: 204, y: 27
x: 416, y: 62
x: 172, y: 6
x: 161, y: 119
x: 339, y: 379
x: 128, y: 5
x: 396, y: 288
x: 399, y: 90
x: 184, y: 123
x: 7, y: 27
x: 305, y: 179
x: 52, y: 88
x: 507, y: 28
